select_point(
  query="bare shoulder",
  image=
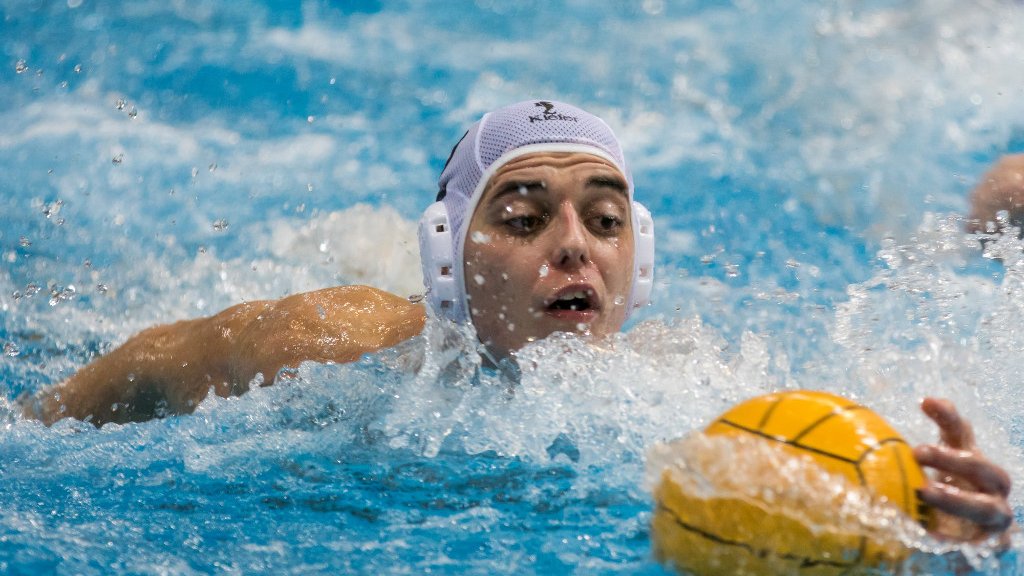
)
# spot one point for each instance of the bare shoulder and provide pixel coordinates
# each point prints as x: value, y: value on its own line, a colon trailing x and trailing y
x: 353, y: 297
x: 353, y: 309
x: 337, y: 324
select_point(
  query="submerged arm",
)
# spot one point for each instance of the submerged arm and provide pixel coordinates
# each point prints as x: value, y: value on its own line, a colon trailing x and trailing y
x: 170, y: 369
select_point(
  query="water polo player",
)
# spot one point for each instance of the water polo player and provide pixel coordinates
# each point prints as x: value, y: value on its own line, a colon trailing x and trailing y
x: 534, y: 231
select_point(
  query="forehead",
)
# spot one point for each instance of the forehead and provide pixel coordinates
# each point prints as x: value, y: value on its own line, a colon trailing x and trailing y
x: 543, y: 166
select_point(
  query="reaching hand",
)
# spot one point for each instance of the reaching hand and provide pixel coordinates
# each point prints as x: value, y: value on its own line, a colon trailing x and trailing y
x: 970, y: 497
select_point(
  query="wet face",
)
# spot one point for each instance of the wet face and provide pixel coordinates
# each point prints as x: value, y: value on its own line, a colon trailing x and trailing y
x: 549, y: 249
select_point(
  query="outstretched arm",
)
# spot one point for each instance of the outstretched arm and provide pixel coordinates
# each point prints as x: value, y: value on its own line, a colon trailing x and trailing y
x: 1001, y: 188
x: 170, y: 369
x: 970, y: 497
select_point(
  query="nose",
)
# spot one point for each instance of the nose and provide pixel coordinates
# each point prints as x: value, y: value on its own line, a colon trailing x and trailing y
x: 571, y: 248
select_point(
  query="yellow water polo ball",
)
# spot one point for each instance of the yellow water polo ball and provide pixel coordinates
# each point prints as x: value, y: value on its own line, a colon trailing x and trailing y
x: 795, y: 482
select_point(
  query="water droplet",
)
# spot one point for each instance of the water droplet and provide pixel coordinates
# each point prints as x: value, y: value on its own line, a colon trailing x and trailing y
x: 479, y: 237
x: 62, y: 294
x: 133, y: 113
x: 511, y: 327
x: 220, y: 224
x: 479, y: 279
x: 78, y: 68
x: 131, y: 377
x: 195, y: 172
x: 11, y: 349
x: 543, y: 270
x: 310, y: 119
x: 321, y: 312
x: 333, y: 81
x: 120, y: 104
x: 619, y: 300
x: 24, y: 242
x: 212, y: 167
x: 116, y: 160
x: 309, y: 187
x: 20, y: 66
x: 52, y: 208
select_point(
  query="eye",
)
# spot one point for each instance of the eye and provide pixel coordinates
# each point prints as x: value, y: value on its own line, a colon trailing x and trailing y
x: 524, y: 224
x: 606, y: 223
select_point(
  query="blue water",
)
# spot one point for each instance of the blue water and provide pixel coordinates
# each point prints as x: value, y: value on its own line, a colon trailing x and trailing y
x: 806, y: 164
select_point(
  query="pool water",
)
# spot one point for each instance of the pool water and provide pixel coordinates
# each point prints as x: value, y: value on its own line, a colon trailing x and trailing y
x: 807, y: 165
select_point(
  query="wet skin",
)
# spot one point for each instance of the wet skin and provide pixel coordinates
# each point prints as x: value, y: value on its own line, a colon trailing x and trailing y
x: 1000, y: 189
x: 549, y: 249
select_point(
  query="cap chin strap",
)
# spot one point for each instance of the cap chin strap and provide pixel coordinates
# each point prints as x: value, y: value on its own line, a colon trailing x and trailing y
x: 439, y: 274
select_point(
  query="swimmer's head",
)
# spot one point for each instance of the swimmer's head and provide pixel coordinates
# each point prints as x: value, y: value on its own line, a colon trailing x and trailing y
x: 500, y: 137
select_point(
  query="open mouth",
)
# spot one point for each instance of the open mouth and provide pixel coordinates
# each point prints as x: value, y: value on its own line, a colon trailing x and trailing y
x: 577, y: 301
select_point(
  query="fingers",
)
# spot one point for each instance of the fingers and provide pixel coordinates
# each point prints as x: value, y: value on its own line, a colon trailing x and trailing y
x: 971, y: 488
x: 989, y: 512
x: 965, y: 465
x: 954, y: 430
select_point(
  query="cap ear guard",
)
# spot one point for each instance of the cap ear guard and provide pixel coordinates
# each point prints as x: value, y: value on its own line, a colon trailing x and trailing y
x: 435, y: 236
x: 643, y: 260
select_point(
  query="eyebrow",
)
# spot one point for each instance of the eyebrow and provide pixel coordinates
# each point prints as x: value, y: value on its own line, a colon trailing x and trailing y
x: 598, y: 180
x: 614, y: 182
x: 515, y: 186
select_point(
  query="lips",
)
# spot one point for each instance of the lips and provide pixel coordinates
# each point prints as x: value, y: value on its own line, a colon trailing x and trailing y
x: 577, y: 301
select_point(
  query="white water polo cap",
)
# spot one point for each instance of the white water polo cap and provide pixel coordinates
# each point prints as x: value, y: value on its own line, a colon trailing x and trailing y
x: 529, y: 127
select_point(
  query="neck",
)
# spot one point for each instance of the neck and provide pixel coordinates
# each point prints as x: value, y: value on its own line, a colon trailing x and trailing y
x: 505, y: 365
